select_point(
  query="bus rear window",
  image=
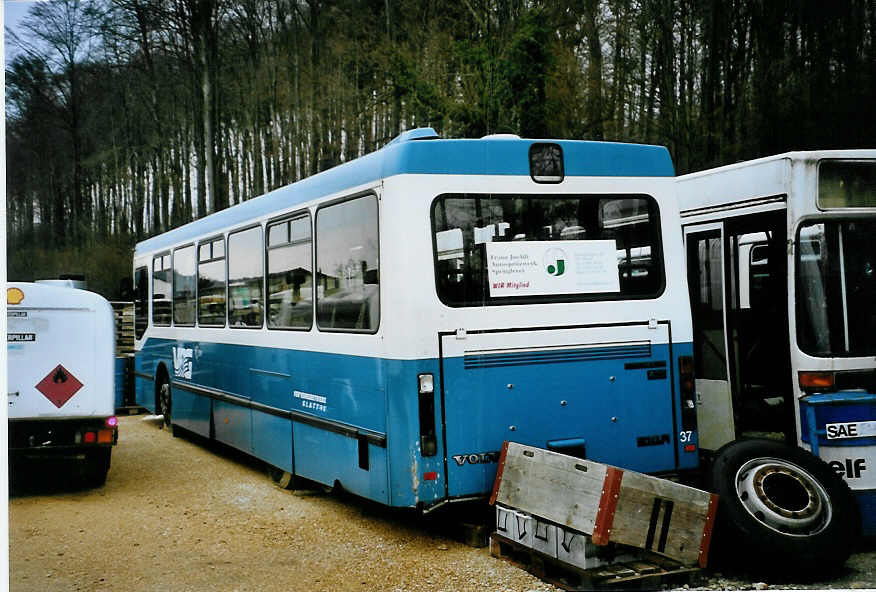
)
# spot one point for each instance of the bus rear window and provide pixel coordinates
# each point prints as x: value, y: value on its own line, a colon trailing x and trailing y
x: 512, y: 249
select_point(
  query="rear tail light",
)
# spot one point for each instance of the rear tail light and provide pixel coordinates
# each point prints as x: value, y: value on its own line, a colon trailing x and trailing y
x: 105, y: 436
x: 89, y: 437
x: 426, y: 400
x: 816, y: 380
x: 688, y: 393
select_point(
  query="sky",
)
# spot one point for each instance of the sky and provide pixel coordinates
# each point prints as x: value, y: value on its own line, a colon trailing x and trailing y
x: 13, y: 12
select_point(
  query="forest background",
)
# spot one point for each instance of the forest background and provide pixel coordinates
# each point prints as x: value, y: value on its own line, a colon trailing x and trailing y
x: 126, y: 118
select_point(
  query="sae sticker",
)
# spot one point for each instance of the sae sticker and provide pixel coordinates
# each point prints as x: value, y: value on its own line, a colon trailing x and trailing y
x: 850, y: 429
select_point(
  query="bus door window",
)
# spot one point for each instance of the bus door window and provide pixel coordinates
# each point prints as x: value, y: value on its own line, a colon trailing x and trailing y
x: 245, y: 265
x: 706, y: 280
x: 141, y: 301
x: 759, y: 324
x: 161, y: 290
x: 290, y: 284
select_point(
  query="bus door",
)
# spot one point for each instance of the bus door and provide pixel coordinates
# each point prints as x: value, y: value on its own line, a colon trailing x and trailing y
x: 737, y: 275
x: 598, y: 392
x: 705, y: 268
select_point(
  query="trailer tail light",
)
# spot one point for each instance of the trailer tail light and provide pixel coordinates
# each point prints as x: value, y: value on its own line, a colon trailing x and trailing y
x: 89, y: 437
x: 688, y: 393
x: 426, y: 399
x: 105, y: 437
x: 816, y: 381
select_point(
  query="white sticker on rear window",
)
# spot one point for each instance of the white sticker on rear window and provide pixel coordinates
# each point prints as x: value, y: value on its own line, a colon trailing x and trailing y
x: 538, y: 268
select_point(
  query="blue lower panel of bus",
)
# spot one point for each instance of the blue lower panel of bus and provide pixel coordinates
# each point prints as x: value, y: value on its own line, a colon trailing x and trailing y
x: 838, y: 422
x: 326, y: 457
x: 325, y: 417
x: 192, y: 412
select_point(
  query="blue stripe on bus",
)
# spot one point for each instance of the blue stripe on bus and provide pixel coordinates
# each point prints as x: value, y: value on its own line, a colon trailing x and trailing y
x: 372, y: 393
x: 435, y: 157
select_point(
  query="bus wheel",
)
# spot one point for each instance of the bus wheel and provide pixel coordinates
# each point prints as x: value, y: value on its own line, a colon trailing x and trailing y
x: 282, y: 479
x: 781, y: 508
x: 164, y: 401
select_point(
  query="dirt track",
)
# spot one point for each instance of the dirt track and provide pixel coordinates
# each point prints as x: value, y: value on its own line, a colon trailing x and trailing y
x: 177, y: 514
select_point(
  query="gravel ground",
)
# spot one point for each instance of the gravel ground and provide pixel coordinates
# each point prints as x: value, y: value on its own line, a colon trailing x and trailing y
x: 177, y: 514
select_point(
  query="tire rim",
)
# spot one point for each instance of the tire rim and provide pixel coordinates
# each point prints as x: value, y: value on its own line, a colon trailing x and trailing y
x: 783, y: 497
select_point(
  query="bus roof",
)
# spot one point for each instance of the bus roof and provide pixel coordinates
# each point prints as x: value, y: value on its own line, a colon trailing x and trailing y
x: 421, y: 151
x: 751, y: 179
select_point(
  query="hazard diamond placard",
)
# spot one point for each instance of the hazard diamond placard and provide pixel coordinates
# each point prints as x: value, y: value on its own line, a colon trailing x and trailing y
x: 58, y: 386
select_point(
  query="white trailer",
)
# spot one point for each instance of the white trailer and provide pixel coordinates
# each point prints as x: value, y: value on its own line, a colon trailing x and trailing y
x: 61, y: 346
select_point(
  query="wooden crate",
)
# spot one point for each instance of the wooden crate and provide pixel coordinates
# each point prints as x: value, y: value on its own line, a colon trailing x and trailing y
x: 611, y: 504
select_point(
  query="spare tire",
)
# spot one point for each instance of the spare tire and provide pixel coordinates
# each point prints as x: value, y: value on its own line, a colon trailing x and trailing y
x: 781, y: 509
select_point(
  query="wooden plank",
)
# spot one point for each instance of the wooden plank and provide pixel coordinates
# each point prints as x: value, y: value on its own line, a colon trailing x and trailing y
x: 556, y: 487
x: 661, y: 516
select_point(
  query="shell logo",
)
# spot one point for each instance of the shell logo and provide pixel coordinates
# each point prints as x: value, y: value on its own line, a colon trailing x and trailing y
x: 14, y: 295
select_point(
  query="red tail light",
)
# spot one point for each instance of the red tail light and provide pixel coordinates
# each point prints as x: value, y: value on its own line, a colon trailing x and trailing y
x: 90, y: 437
x: 688, y: 393
x: 816, y: 380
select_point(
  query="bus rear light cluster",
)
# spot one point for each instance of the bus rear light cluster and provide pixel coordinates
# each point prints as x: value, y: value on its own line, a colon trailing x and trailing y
x: 95, y: 437
x: 688, y: 393
x: 810, y: 381
x: 426, y: 400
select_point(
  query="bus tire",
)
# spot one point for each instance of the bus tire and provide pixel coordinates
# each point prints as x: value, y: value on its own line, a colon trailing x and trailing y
x: 164, y: 401
x: 282, y: 479
x: 781, y: 508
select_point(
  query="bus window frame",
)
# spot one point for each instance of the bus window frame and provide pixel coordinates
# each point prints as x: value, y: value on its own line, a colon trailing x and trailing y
x: 160, y: 256
x: 199, y: 244
x: 228, y: 322
x: 173, y: 285
x: 288, y: 218
x: 315, y: 235
x: 658, y: 253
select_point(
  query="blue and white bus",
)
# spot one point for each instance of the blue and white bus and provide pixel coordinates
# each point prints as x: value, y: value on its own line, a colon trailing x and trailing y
x: 385, y: 325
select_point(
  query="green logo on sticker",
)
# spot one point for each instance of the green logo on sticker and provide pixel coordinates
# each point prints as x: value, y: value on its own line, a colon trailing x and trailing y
x: 555, y: 262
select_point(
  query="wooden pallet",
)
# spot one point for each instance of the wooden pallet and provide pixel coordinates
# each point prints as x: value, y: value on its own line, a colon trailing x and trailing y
x: 124, y: 318
x: 650, y: 572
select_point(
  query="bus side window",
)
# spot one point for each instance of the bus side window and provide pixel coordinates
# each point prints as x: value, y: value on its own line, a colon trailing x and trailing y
x: 211, y: 283
x: 184, y: 286
x: 245, y: 249
x: 290, y: 280
x: 141, y: 301
x: 161, y: 291
x: 348, y: 268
